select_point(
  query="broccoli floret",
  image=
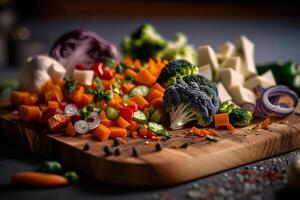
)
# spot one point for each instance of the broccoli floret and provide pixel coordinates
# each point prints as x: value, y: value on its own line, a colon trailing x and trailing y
x: 186, y: 102
x: 143, y: 44
x: 240, y: 117
x: 174, y: 70
x: 201, y: 80
x: 227, y: 107
x: 179, y: 49
x: 237, y: 115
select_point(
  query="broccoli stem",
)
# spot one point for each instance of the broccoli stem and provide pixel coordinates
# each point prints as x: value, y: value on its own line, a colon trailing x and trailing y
x: 181, y: 115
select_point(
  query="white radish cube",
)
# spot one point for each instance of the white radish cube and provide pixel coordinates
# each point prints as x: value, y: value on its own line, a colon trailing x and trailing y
x: 223, y: 94
x: 226, y: 51
x: 245, y: 46
x: 84, y: 77
x: 241, y: 95
x: 256, y: 81
x: 206, y: 72
x: 208, y: 56
x: 56, y: 72
x: 269, y: 76
x: 234, y: 63
x: 230, y: 77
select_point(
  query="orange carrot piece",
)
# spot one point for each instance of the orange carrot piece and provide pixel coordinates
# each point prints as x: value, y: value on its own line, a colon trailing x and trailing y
x: 158, y: 87
x: 133, y: 125
x: 155, y: 138
x: 140, y: 101
x: 18, y: 97
x: 230, y: 128
x: 212, y: 132
x: 43, y: 107
x: 122, y: 122
x: 53, y: 104
x: 29, y: 113
x: 145, y: 77
x: 221, y: 119
x: 153, y: 68
x: 102, y: 104
x: 137, y: 63
x: 157, y: 102
x: 143, y: 131
x: 120, y: 76
x: 70, y: 130
x: 87, y: 98
x: 123, y: 141
x: 128, y: 60
x: 134, y: 134
x: 131, y: 72
x: 265, y: 124
x: 127, y: 87
x: 102, y: 132
x: 106, y: 122
x: 77, y: 95
x: 39, y: 179
x: 58, y: 93
x: 154, y: 94
x: 118, y: 132
x: 31, y: 99
x: 50, y: 96
x: 61, y: 83
x: 47, y: 86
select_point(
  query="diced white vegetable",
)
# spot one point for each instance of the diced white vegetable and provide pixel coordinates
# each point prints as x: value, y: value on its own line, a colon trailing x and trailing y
x: 84, y: 77
x: 230, y: 78
x: 256, y: 81
x: 223, y: 94
x: 245, y: 46
x: 208, y: 56
x: 34, y: 72
x: 226, y: 51
x: 206, y: 72
x: 241, y: 95
x: 56, y: 72
x: 269, y: 76
x: 234, y: 63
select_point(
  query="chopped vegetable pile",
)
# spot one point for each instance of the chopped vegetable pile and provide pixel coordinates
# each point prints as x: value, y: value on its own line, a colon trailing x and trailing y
x: 84, y: 87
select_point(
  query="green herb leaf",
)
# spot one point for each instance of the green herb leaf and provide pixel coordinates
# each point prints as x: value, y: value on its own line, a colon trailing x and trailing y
x: 99, y: 83
x: 90, y: 106
x: 212, y: 138
x: 70, y: 85
x: 84, y: 113
x: 108, y: 95
x: 98, y: 110
x: 89, y: 91
x: 129, y: 78
x: 184, y: 145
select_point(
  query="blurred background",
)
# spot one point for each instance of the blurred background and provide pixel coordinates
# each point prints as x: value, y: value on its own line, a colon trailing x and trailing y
x: 29, y: 27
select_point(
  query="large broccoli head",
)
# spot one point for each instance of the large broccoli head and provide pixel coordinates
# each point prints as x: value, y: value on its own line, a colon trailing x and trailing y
x: 201, y: 80
x: 143, y: 44
x: 186, y: 102
x: 174, y: 70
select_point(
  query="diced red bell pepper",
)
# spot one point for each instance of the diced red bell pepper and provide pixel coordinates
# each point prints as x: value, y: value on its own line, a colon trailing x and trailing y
x: 62, y: 105
x: 47, y: 114
x: 98, y: 69
x: 133, y: 107
x: 126, y: 113
x: 58, y: 121
x: 107, y: 74
x: 150, y: 134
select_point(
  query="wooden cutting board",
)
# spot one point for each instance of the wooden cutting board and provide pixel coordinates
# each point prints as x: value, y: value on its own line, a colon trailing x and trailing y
x: 166, y: 167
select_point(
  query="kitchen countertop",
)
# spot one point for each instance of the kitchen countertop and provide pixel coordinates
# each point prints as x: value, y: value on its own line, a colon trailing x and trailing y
x: 275, y: 39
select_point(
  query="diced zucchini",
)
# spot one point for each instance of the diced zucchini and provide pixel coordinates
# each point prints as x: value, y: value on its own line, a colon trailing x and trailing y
x: 142, y: 90
x: 156, y: 128
x: 156, y: 116
x: 139, y: 116
x: 111, y: 113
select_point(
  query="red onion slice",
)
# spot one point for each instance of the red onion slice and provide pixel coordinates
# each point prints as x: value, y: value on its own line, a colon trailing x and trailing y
x: 71, y: 110
x: 265, y: 106
x: 81, y: 127
x: 93, y: 120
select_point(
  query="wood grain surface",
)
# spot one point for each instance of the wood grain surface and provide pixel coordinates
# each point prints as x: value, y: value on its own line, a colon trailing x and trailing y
x: 167, y: 167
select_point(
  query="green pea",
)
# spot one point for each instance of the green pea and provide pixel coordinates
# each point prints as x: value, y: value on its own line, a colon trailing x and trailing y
x: 72, y: 176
